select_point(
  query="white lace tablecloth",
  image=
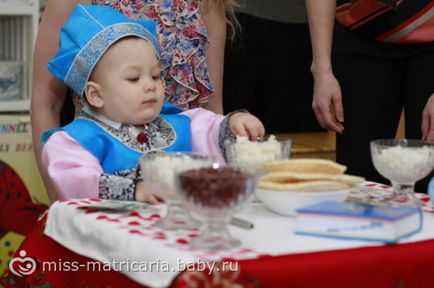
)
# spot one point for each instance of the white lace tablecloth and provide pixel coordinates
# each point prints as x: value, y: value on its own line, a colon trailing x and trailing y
x: 133, y: 238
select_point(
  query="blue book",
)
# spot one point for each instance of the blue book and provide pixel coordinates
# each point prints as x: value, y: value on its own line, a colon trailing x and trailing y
x: 359, y: 221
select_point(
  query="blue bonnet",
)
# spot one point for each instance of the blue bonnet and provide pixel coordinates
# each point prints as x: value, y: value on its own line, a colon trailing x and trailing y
x: 87, y: 34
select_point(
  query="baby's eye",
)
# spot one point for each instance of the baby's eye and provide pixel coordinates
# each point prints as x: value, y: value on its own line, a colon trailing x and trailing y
x: 156, y: 77
x: 133, y: 79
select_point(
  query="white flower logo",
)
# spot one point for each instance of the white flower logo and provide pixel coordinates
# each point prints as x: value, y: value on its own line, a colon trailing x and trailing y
x: 22, y: 266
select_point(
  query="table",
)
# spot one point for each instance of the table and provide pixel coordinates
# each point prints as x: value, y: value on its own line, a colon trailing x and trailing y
x: 311, y: 144
x: 404, y: 265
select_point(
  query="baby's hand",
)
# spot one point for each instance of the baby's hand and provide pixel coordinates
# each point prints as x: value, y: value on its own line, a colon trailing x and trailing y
x: 245, y: 124
x: 144, y: 194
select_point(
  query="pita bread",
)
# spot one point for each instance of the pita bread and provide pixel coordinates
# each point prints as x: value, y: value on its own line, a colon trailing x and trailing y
x: 305, y: 165
x: 307, y: 182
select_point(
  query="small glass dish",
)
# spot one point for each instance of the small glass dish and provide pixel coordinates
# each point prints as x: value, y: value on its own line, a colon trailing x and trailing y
x: 242, y: 152
x: 251, y: 155
x: 214, y: 195
x: 403, y: 162
x: 158, y: 172
x: 431, y: 190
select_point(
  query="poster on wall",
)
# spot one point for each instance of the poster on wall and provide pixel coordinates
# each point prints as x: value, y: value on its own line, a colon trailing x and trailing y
x: 22, y: 194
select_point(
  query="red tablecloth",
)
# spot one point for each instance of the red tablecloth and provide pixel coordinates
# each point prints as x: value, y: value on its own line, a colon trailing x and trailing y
x: 404, y: 265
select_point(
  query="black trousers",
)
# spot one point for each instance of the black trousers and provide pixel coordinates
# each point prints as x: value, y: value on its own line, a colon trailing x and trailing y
x: 378, y: 80
x: 267, y: 71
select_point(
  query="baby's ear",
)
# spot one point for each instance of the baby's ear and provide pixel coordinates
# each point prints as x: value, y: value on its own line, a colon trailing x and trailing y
x: 93, y: 94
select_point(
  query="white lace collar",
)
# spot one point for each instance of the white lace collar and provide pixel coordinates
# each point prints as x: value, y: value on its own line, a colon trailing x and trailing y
x: 102, y: 118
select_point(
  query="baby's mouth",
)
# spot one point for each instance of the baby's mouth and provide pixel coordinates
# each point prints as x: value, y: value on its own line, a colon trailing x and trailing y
x: 150, y: 101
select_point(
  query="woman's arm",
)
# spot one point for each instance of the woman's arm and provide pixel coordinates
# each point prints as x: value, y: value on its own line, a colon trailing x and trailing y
x: 48, y: 93
x: 428, y: 120
x: 321, y: 22
x: 327, y: 92
x: 215, y: 20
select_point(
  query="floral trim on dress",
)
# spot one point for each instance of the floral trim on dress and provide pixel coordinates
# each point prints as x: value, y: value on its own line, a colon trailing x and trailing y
x: 160, y: 134
x: 118, y: 186
x: 225, y: 132
x: 183, y: 37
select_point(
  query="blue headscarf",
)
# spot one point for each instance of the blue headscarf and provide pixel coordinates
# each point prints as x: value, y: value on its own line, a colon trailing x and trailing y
x: 87, y: 34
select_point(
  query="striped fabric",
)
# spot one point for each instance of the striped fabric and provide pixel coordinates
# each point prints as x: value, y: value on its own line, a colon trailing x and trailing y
x: 394, y: 21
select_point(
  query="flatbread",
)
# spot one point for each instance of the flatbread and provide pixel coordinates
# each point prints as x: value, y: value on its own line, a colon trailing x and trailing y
x: 310, y: 165
x: 304, y: 182
x: 307, y: 186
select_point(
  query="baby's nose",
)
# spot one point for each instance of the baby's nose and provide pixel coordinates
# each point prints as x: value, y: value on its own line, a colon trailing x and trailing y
x: 149, y: 85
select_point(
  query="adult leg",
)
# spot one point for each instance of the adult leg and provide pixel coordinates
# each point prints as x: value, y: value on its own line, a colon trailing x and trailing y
x: 267, y: 72
x: 245, y: 63
x: 289, y: 82
x: 372, y: 101
x: 419, y: 86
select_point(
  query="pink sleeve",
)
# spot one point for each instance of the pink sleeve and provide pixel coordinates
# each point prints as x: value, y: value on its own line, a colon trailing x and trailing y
x: 74, y: 171
x: 205, y: 128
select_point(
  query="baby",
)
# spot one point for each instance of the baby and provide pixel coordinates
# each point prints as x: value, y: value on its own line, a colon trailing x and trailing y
x: 113, y: 62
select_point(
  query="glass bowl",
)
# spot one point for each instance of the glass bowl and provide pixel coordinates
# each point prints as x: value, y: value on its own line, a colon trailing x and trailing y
x: 431, y: 190
x: 403, y: 162
x: 251, y: 155
x: 243, y: 152
x: 158, y: 172
x: 213, y: 195
x: 287, y: 202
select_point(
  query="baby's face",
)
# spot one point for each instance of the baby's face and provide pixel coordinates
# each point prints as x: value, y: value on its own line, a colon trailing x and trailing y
x: 129, y: 78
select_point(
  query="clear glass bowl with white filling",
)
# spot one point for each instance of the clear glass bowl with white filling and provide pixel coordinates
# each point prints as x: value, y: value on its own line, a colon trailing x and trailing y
x: 243, y: 152
x: 403, y: 162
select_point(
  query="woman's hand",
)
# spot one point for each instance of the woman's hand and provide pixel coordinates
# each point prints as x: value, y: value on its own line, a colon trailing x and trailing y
x: 327, y: 102
x: 428, y: 120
